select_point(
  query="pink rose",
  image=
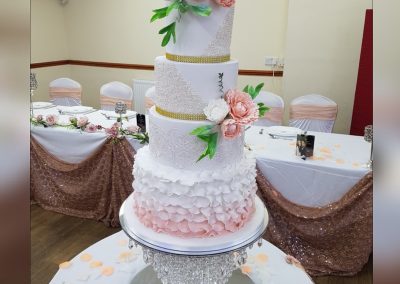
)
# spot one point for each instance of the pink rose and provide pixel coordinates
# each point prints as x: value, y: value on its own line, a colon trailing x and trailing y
x: 39, y: 117
x: 82, y: 121
x: 242, y: 107
x: 51, y: 119
x: 91, y: 128
x: 133, y: 128
x: 225, y: 3
x: 114, y: 130
x: 230, y: 129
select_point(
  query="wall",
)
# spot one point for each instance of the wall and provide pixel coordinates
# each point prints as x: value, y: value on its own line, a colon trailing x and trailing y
x: 48, y: 43
x: 323, y: 50
x: 119, y: 31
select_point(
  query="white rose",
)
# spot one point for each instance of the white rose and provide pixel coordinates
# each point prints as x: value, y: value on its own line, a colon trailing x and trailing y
x: 216, y: 110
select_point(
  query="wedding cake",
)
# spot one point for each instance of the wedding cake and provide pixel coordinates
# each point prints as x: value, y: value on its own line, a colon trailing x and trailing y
x: 197, y: 112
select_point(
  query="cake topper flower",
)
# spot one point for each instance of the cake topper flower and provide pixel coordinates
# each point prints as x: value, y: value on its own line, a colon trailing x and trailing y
x: 225, y: 3
x: 230, y: 115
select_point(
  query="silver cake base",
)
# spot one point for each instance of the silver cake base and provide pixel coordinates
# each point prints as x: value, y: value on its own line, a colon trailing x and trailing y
x: 149, y: 276
x: 178, y: 260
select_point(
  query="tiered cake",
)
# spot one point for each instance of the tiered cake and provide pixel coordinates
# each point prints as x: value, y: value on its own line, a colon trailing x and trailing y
x: 173, y: 193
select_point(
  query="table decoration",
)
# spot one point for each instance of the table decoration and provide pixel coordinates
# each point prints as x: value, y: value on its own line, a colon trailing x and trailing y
x: 369, y: 136
x: 33, y: 86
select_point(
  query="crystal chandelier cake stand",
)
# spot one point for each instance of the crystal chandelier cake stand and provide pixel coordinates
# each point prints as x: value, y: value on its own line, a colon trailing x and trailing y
x: 194, y: 260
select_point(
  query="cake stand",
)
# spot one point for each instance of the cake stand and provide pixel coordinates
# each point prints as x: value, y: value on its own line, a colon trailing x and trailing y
x: 194, y: 260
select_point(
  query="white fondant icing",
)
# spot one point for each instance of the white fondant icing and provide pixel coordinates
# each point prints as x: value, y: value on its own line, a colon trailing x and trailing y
x: 188, y: 87
x: 202, y: 36
x: 171, y: 144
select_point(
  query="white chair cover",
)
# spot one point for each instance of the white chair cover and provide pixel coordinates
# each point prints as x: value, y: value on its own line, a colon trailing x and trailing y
x: 275, y: 114
x: 148, y: 100
x: 313, y: 113
x: 65, y: 92
x: 113, y: 92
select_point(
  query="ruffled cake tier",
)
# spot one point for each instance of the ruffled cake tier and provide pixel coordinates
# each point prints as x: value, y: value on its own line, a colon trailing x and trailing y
x: 193, y: 203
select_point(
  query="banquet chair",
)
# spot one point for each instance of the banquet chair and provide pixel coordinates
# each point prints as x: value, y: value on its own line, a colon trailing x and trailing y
x: 149, y: 98
x: 274, y: 116
x: 313, y: 113
x: 65, y: 92
x: 114, y: 92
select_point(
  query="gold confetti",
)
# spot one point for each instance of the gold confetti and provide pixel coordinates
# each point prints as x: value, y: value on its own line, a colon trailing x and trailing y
x: 340, y: 161
x: 107, y: 271
x: 337, y: 145
x: 356, y: 165
x: 261, y: 258
x: 246, y: 269
x: 65, y: 265
x: 95, y: 264
x: 325, y: 150
x: 86, y: 257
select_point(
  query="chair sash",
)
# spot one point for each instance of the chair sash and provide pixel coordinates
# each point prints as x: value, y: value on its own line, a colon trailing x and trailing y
x: 313, y: 112
x: 149, y: 103
x: 108, y: 101
x: 274, y: 114
x: 60, y: 92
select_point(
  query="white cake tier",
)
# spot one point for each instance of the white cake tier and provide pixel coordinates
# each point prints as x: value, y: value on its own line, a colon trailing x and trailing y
x: 171, y: 144
x: 202, y: 36
x: 193, y: 203
x: 188, y: 87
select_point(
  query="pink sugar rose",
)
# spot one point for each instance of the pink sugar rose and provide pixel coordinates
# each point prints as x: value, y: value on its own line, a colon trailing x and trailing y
x: 91, y: 128
x: 82, y: 121
x: 225, y: 3
x: 51, y: 119
x: 242, y: 108
x: 230, y: 129
x: 39, y: 117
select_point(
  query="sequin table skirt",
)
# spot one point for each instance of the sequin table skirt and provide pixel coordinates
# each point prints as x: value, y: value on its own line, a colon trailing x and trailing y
x: 94, y: 188
x: 332, y: 240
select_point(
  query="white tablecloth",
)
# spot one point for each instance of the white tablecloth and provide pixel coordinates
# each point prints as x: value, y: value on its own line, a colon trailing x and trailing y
x: 74, y: 146
x: 266, y: 264
x: 337, y: 166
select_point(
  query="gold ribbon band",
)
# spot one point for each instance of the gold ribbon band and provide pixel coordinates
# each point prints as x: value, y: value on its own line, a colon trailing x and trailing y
x: 180, y: 116
x: 198, y: 59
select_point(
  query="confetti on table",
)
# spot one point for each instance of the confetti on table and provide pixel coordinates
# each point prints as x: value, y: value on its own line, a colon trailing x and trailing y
x: 86, y: 257
x: 261, y: 258
x: 340, y: 161
x: 325, y: 150
x: 107, y: 271
x: 337, y: 145
x: 123, y: 243
x: 95, y: 264
x: 292, y: 143
x: 65, y: 265
x: 356, y: 165
x: 246, y: 269
x: 127, y: 256
x: 317, y: 158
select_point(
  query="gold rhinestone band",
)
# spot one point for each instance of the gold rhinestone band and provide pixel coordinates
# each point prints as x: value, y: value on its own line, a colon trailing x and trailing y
x: 180, y: 116
x: 198, y: 59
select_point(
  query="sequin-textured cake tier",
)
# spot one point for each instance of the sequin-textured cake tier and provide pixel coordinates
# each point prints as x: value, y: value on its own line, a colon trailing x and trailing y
x: 173, y: 193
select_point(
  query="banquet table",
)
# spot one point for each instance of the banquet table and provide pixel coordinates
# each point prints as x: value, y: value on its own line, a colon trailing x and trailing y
x: 110, y: 261
x: 337, y: 165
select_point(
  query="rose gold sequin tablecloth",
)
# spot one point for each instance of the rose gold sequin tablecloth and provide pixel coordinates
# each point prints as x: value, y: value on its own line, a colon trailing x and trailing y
x: 332, y: 240
x: 94, y: 188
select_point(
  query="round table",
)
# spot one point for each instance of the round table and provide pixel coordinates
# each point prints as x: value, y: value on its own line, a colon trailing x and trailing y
x: 111, y: 261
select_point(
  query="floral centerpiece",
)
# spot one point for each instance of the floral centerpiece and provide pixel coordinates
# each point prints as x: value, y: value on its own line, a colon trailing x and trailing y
x: 83, y: 124
x: 230, y: 114
x: 183, y: 6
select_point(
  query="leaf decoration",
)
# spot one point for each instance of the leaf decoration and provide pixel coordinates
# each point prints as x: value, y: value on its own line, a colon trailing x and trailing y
x: 206, y: 134
x: 168, y: 31
x: 262, y: 109
x: 183, y: 7
x: 253, y: 92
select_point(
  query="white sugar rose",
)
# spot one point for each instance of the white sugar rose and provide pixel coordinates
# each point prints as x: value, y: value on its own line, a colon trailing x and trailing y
x: 216, y: 110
